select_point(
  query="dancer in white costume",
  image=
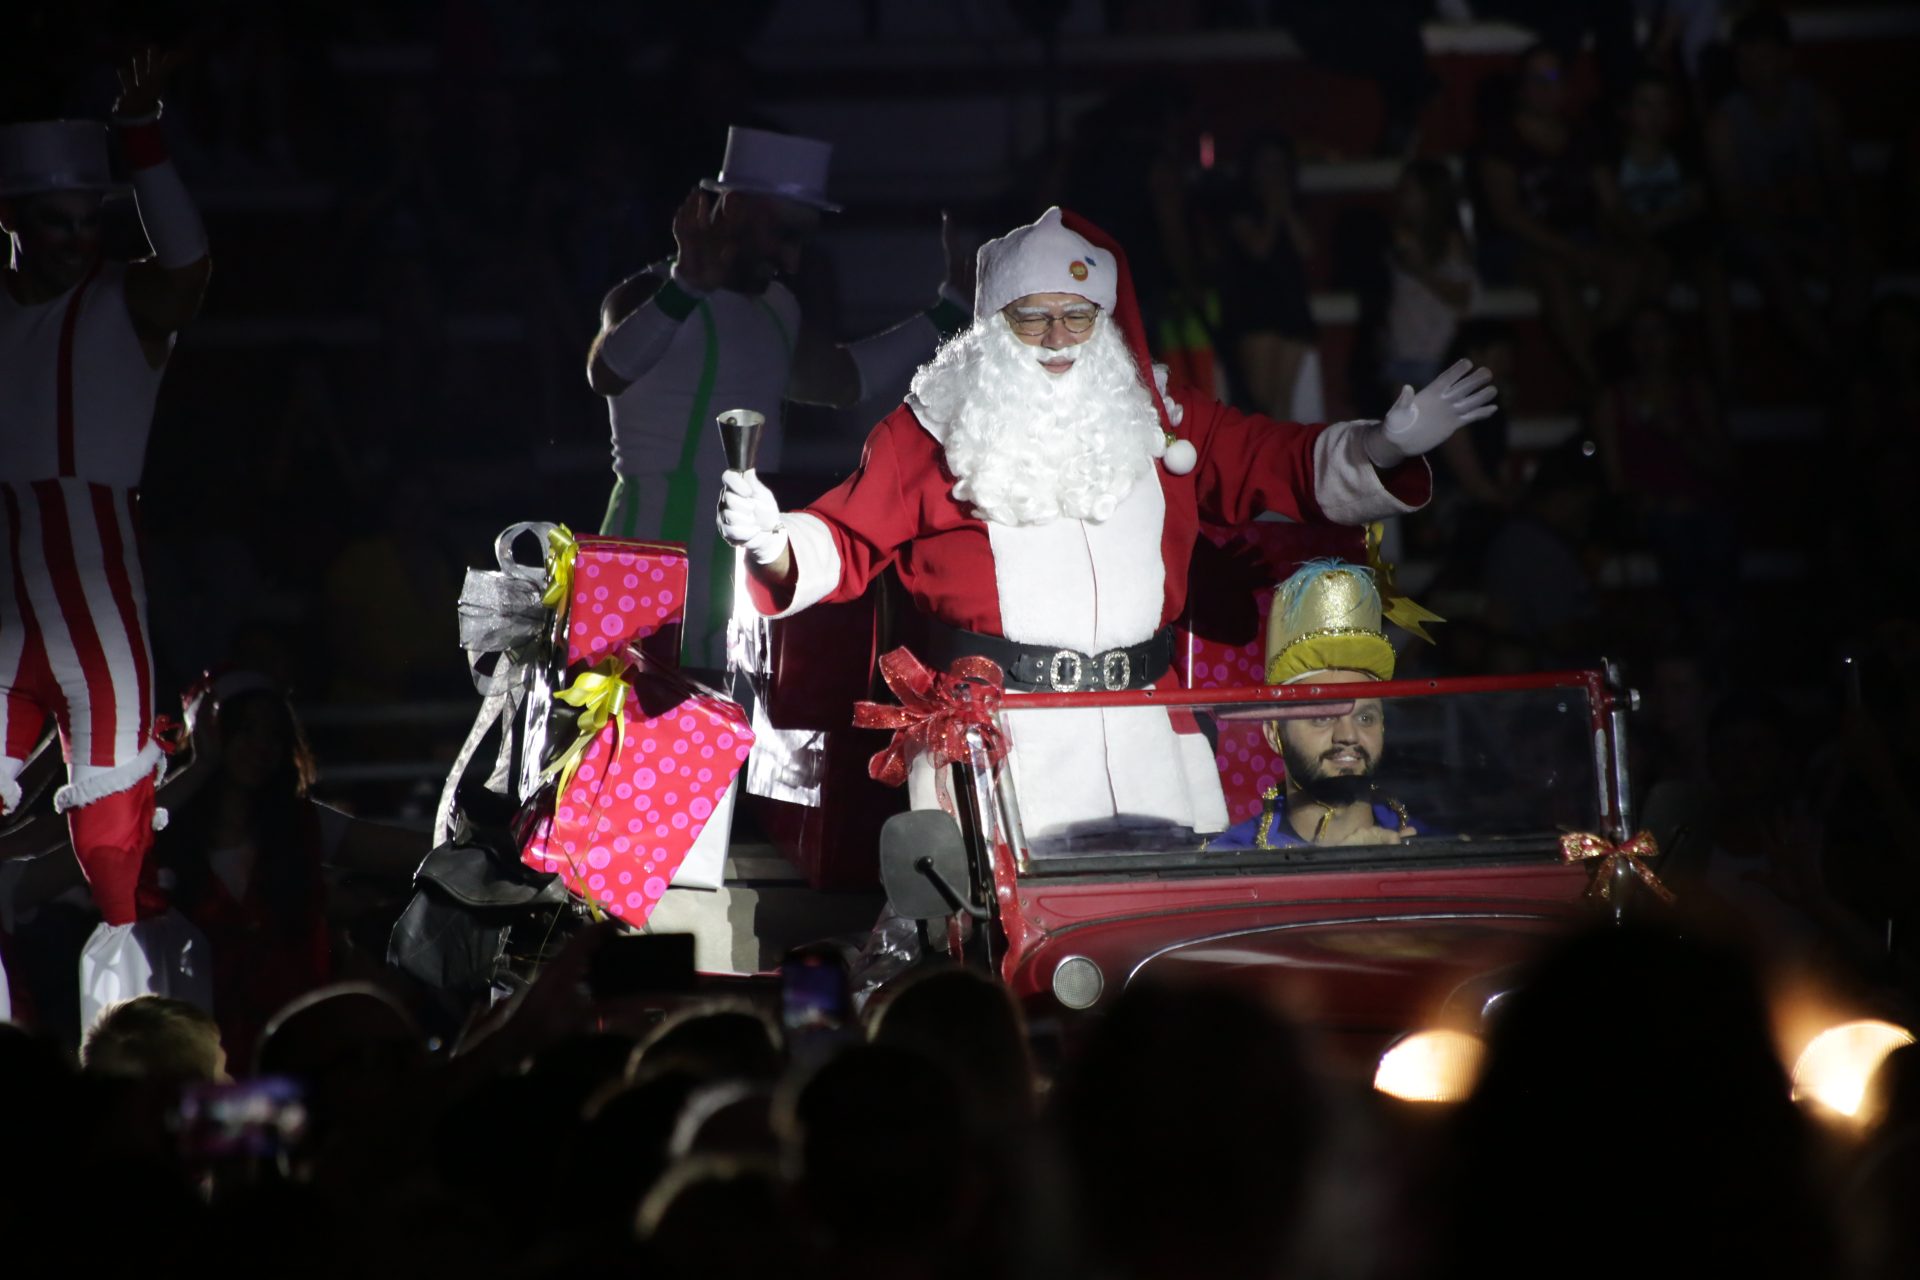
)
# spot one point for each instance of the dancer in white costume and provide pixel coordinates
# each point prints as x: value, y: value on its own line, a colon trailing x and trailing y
x: 83, y: 345
x: 716, y: 329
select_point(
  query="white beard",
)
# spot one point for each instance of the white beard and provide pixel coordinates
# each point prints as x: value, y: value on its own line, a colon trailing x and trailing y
x: 1028, y: 446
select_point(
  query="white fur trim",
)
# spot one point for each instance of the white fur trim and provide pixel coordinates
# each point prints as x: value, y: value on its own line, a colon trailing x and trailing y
x: 816, y: 559
x: 1345, y: 482
x: 1082, y: 584
x: 9, y: 792
x: 1043, y: 257
x: 121, y: 777
x: 1175, y: 410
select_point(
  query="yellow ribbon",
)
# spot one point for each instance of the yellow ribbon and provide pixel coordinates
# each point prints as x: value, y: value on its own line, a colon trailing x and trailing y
x: 601, y: 695
x: 1397, y: 608
x: 1584, y: 846
x: 561, y: 550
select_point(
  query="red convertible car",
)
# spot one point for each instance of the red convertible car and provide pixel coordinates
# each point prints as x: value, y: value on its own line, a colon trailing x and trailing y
x: 1479, y: 780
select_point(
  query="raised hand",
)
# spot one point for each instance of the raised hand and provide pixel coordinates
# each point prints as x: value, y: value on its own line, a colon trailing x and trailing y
x: 705, y: 249
x: 1419, y: 421
x: 143, y: 76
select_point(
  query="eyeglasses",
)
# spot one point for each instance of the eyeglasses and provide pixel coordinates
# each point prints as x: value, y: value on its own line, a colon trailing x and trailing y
x: 1036, y: 324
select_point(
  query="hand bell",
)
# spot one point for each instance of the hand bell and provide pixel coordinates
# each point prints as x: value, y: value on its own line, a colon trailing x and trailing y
x: 740, y: 432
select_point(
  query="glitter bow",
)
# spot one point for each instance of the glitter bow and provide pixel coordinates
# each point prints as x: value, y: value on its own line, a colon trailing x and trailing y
x: 561, y: 550
x: 1584, y: 846
x: 934, y: 714
x: 601, y: 695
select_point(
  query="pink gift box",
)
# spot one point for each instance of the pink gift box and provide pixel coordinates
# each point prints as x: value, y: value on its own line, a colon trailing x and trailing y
x: 626, y: 592
x: 655, y: 813
x: 1222, y: 640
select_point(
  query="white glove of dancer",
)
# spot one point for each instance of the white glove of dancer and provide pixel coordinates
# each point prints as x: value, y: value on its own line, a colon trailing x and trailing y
x: 750, y: 518
x: 1417, y: 423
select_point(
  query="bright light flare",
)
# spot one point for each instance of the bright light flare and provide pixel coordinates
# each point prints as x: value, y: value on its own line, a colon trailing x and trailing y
x: 1836, y: 1066
x: 1431, y: 1066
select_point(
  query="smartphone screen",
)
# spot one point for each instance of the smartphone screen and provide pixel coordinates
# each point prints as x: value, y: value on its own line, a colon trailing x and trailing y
x: 814, y: 994
x: 251, y: 1119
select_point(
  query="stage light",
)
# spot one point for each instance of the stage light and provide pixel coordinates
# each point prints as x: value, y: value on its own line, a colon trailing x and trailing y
x: 1836, y: 1065
x: 1430, y: 1066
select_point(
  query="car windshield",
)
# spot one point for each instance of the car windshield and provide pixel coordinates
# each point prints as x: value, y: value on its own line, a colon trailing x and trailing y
x: 1435, y: 774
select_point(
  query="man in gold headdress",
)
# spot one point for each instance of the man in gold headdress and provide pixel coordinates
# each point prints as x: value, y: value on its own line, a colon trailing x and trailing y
x: 1325, y: 626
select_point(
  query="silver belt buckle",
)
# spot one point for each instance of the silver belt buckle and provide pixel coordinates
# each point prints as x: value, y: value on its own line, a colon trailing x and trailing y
x: 1125, y: 677
x: 1064, y: 684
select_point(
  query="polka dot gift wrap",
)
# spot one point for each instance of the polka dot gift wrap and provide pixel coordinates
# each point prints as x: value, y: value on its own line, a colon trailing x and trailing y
x: 626, y: 592
x: 628, y: 820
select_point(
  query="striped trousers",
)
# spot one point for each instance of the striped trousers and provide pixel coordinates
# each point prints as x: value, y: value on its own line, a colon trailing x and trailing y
x: 74, y: 649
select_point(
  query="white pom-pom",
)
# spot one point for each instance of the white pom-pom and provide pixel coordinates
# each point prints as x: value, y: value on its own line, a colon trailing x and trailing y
x: 1181, y: 457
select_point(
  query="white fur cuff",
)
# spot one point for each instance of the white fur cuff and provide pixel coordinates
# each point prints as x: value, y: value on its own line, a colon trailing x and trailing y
x: 815, y: 559
x: 121, y: 777
x: 9, y: 793
x: 1346, y: 484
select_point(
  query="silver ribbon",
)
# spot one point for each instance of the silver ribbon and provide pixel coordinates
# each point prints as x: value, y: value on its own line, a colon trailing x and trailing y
x: 500, y: 614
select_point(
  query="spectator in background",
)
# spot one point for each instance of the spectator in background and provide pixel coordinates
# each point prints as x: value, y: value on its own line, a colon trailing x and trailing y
x: 247, y: 851
x: 1264, y: 295
x: 1190, y: 1123
x: 155, y: 1038
x: 1378, y: 39
x: 1656, y: 203
x: 1473, y: 488
x: 1541, y: 595
x: 1564, y: 26
x: 1537, y: 180
x: 1664, y: 449
x: 1430, y: 277
x: 1784, y: 177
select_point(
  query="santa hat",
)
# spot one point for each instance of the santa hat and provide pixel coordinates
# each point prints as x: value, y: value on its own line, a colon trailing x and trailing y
x: 1043, y: 257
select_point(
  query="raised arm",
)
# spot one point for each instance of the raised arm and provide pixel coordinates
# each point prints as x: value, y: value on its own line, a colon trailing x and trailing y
x: 840, y: 375
x: 643, y: 314
x: 163, y: 292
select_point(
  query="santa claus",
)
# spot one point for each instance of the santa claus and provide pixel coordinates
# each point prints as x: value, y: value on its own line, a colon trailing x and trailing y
x: 1039, y: 495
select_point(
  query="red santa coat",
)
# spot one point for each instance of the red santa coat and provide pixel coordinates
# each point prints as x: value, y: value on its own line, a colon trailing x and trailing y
x: 1084, y: 585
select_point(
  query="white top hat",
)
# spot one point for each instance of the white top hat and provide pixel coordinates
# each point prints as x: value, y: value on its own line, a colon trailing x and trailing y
x: 1043, y: 257
x: 54, y: 155
x: 775, y: 164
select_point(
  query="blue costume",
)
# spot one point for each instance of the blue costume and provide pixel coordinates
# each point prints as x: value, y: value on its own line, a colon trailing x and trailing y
x: 1269, y: 829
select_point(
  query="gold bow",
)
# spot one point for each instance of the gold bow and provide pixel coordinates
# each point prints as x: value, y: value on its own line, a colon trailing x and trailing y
x: 1398, y: 609
x: 1584, y: 846
x: 561, y: 550
x: 601, y: 695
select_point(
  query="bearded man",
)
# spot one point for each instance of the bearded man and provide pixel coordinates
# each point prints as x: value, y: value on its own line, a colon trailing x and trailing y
x: 1040, y: 494
x: 1325, y: 626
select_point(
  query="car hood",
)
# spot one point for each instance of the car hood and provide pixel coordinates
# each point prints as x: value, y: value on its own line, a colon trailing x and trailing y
x: 1374, y: 976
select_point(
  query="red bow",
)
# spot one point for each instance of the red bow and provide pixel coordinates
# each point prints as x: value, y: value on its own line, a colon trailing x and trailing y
x: 934, y: 714
x: 1583, y: 846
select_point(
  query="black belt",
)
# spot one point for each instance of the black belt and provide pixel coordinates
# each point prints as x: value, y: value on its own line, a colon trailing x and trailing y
x: 1037, y: 667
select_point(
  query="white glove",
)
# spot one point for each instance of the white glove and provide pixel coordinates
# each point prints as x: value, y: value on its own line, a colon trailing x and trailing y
x: 1417, y: 423
x: 750, y: 518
